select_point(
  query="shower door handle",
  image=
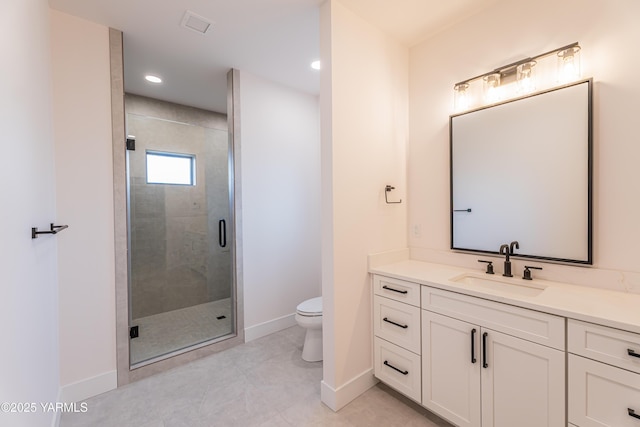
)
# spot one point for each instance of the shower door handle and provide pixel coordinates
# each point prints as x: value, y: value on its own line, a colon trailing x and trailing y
x: 222, y: 233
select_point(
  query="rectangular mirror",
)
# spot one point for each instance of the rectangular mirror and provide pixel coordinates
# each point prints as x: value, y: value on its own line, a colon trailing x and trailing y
x: 522, y: 170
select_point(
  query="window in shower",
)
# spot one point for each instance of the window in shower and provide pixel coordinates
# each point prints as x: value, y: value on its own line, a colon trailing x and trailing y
x: 171, y: 168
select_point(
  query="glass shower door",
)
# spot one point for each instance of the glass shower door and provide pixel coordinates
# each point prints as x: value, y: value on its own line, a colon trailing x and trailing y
x: 181, y: 290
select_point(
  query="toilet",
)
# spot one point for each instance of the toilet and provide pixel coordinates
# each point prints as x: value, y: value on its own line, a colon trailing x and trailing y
x: 309, y: 316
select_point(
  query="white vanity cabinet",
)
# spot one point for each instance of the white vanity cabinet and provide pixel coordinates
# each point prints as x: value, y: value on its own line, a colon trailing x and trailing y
x: 604, y: 376
x: 481, y: 368
x: 396, y: 326
x: 491, y: 355
x: 472, y: 361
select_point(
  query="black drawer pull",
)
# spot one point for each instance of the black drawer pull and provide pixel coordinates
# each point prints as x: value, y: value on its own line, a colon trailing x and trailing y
x: 473, y: 345
x: 394, y: 290
x: 632, y: 353
x: 632, y: 413
x: 394, y: 323
x: 396, y: 369
x: 484, y: 350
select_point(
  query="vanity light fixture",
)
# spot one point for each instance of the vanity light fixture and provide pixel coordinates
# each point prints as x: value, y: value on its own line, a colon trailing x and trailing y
x: 152, y: 79
x: 569, y: 64
x: 315, y: 65
x: 492, y: 92
x: 526, y: 77
x: 461, y: 98
x: 520, y: 75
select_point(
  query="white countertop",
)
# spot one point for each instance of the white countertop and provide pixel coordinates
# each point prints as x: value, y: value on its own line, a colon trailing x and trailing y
x: 610, y: 308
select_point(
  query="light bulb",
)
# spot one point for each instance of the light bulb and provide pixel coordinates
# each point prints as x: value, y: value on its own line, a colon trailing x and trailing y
x: 492, y: 91
x: 461, y: 99
x: 569, y: 64
x: 525, y: 76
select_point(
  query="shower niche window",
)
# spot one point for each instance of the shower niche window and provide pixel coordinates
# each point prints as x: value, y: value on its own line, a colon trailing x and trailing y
x: 171, y: 168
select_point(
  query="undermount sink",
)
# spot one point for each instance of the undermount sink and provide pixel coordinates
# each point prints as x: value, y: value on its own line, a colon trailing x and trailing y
x: 504, y: 285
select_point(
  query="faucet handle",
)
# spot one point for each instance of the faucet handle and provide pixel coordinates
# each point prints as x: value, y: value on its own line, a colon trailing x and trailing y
x: 527, y: 273
x: 489, y: 266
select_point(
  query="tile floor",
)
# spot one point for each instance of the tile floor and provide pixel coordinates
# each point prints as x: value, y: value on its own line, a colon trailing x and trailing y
x: 174, y: 330
x: 261, y: 383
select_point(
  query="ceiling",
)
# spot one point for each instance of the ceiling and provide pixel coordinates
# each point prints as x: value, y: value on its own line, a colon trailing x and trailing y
x: 413, y: 21
x: 274, y: 39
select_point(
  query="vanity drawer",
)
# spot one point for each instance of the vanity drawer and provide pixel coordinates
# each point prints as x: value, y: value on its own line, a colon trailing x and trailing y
x: 398, y: 368
x: 534, y: 326
x: 602, y: 395
x: 608, y: 345
x: 397, y: 322
x: 396, y: 289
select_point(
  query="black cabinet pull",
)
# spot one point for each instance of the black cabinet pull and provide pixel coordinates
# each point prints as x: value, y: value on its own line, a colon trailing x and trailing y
x: 394, y: 290
x: 632, y: 353
x: 394, y: 323
x: 395, y: 369
x: 473, y: 345
x: 632, y: 413
x: 222, y: 233
x: 484, y: 350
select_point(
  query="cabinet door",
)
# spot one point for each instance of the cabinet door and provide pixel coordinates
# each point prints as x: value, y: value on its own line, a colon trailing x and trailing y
x: 450, y: 376
x: 523, y: 384
x: 601, y: 395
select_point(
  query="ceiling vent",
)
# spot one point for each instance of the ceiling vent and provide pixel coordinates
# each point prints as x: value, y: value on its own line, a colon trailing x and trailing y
x: 196, y: 23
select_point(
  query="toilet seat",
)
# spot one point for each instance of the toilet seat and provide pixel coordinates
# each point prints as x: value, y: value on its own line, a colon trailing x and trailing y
x: 309, y: 317
x: 310, y: 308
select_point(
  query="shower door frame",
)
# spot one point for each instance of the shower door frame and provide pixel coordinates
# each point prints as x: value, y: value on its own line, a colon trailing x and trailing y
x: 125, y: 373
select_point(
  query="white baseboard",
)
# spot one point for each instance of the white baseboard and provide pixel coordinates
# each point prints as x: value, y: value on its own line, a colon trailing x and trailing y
x: 89, y: 387
x: 263, y: 329
x: 337, y: 399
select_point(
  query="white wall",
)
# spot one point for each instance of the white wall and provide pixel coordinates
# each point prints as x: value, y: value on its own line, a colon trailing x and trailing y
x: 280, y: 178
x: 281, y: 204
x: 608, y: 33
x: 84, y: 188
x: 364, y: 105
x: 28, y: 283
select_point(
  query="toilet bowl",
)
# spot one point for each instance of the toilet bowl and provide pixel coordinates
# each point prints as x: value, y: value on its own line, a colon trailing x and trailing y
x: 309, y: 316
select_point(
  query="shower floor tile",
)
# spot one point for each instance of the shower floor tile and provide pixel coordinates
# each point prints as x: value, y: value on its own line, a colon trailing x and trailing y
x: 163, y: 333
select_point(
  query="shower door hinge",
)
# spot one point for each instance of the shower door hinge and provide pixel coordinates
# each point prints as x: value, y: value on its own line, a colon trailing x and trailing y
x: 133, y: 332
x: 131, y: 143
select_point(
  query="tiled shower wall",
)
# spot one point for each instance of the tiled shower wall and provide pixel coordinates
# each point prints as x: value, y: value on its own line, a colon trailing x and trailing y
x: 176, y: 260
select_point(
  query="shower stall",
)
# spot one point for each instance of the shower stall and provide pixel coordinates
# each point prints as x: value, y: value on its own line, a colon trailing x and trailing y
x: 180, y: 229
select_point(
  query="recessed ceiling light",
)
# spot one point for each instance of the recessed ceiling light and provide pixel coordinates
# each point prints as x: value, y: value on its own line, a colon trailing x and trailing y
x: 153, y: 79
x: 315, y: 65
